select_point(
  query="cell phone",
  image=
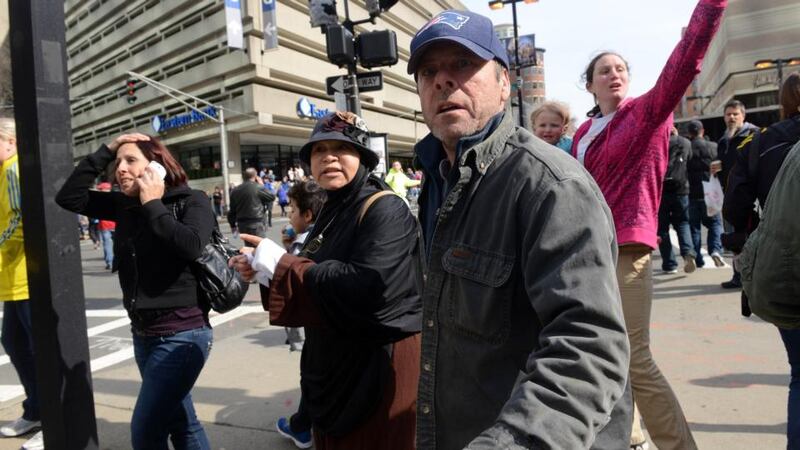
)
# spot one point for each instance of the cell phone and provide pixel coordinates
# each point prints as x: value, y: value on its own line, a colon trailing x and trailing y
x: 158, y: 168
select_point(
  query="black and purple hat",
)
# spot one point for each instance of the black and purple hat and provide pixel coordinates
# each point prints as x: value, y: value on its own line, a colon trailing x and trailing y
x: 345, y: 127
x: 472, y: 31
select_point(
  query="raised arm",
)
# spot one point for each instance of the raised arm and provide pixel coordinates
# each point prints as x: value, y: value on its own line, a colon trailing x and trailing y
x: 685, y: 61
x: 76, y: 196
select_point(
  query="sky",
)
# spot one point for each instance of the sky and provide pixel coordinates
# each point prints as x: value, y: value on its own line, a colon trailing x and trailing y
x: 644, y: 32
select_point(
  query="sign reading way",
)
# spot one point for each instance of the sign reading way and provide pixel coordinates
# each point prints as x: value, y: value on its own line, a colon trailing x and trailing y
x: 366, y: 81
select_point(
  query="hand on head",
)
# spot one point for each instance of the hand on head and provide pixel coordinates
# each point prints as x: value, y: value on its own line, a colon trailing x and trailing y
x: 126, y: 139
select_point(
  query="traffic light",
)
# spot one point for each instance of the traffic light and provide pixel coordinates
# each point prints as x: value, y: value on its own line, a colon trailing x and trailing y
x: 130, y: 88
x: 340, y: 45
x: 377, y: 48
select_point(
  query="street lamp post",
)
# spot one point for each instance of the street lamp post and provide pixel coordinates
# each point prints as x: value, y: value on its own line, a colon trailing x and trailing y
x: 778, y: 63
x: 498, y: 4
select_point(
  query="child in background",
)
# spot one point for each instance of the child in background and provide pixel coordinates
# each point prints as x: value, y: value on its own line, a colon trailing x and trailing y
x: 305, y: 202
x: 550, y: 122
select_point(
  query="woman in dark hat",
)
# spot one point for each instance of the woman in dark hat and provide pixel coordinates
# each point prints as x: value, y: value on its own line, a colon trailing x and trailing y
x: 356, y: 288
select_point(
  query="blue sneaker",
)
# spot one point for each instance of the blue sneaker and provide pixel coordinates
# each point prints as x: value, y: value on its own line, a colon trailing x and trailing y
x: 301, y: 440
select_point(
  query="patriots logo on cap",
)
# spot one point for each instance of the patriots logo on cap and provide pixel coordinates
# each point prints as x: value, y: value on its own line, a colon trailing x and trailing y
x: 452, y: 19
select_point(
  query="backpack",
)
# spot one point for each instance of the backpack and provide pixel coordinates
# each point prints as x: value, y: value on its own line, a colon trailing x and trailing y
x: 220, y: 287
x: 770, y: 259
x: 677, y: 176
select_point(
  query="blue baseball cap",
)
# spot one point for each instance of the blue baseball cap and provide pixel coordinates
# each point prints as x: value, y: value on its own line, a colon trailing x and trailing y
x: 472, y: 31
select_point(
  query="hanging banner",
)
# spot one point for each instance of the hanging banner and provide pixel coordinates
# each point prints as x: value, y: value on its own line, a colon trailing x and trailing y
x: 527, y: 50
x: 233, y: 20
x: 270, y: 21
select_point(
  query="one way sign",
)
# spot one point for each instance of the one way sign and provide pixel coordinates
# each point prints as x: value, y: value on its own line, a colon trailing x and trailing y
x: 367, y: 81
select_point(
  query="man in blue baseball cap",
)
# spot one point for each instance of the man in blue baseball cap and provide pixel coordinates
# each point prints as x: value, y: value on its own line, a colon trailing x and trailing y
x: 523, y: 344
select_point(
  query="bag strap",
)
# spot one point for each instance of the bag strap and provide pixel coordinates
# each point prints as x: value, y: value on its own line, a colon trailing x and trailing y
x: 372, y: 198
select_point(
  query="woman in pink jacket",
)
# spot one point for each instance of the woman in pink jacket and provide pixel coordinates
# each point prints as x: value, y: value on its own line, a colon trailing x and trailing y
x: 624, y: 145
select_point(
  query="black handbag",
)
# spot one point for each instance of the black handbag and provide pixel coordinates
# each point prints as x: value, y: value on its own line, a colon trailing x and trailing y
x: 219, y: 287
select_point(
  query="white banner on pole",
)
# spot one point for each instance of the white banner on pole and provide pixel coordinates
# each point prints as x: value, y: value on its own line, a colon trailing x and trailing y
x: 270, y: 20
x: 233, y: 20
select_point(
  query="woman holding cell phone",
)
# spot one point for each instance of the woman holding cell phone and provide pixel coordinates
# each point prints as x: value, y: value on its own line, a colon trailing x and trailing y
x: 162, y: 226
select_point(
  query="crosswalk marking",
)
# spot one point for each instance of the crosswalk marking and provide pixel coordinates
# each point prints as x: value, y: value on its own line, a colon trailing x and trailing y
x: 11, y: 391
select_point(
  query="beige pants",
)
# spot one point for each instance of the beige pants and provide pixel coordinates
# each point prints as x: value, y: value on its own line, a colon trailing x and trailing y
x: 653, y: 397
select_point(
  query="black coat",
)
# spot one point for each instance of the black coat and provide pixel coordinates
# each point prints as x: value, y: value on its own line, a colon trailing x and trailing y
x: 746, y: 184
x: 249, y: 202
x: 152, y: 250
x: 703, y: 152
x: 366, y: 284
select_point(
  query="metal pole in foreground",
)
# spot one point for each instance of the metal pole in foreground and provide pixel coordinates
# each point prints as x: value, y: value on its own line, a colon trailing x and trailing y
x: 223, y: 150
x: 516, y: 62
x: 55, y: 282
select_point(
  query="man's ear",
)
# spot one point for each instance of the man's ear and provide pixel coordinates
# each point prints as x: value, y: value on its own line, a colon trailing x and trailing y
x: 505, y: 84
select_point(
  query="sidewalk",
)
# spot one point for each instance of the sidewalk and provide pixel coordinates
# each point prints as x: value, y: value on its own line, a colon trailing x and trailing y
x: 730, y: 374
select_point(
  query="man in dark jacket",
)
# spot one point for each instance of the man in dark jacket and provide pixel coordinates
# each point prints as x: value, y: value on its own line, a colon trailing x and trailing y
x: 674, y: 208
x: 737, y: 131
x: 703, y: 153
x: 523, y: 340
x: 249, y: 202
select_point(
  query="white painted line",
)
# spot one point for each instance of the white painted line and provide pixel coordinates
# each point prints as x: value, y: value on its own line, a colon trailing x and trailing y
x: 108, y: 326
x: 99, y: 313
x: 106, y: 313
x: 9, y: 392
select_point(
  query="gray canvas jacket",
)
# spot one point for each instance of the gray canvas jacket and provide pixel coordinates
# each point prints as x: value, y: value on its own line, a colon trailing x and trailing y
x: 524, y: 343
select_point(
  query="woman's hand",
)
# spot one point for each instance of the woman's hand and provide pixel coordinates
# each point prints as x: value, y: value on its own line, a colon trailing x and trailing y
x: 126, y: 139
x: 251, y: 239
x: 242, y: 265
x: 151, y: 186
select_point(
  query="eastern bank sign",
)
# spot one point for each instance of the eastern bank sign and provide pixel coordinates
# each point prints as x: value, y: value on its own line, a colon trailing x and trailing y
x: 162, y: 123
x: 308, y: 110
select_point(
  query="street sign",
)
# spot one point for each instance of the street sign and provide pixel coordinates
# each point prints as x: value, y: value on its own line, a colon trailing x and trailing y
x: 367, y: 81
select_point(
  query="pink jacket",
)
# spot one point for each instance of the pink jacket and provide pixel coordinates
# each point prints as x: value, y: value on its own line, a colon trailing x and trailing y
x: 629, y: 158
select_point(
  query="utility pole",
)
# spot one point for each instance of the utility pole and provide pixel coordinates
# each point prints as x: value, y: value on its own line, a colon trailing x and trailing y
x: 353, y: 105
x: 220, y: 119
x: 55, y: 282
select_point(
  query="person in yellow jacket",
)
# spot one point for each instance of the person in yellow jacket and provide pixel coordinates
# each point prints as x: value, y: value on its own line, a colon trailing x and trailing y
x: 17, y: 332
x: 399, y: 181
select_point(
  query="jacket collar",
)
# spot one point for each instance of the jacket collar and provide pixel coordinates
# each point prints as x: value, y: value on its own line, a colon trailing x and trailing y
x: 485, y: 145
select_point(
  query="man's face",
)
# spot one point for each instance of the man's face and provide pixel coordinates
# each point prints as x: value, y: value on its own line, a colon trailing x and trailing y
x: 734, y: 117
x: 459, y: 92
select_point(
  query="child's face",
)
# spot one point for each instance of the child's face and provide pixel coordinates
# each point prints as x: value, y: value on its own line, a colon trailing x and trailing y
x: 300, y: 220
x: 549, y: 127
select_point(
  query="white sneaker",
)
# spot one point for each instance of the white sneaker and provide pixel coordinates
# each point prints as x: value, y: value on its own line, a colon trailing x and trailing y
x: 19, y: 427
x: 34, y: 443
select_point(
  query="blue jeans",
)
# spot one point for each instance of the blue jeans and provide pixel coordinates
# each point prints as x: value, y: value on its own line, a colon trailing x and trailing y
x: 169, y: 366
x: 673, y: 211
x: 17, y: 338
x: 698, y: 216
x: 107, y: 236
x: 791, y: 340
